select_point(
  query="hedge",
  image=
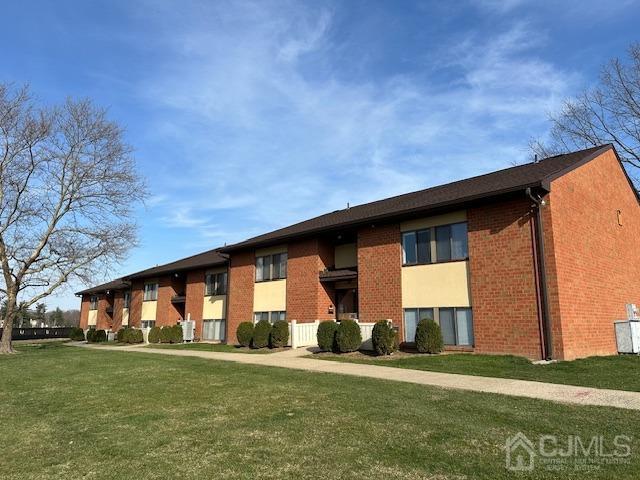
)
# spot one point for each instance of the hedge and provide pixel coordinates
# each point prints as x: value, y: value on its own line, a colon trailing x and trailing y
x: 91, y: 335
x: 154, y: 335
x: 133, y: 335
x: 261, y: 334
x: 384, y: 338
x: 327, y: 336
x: 171, y: 334
x: 428, y: 337
x: 76, y: 334
x: 121, y: 336
x: 96, y: 336
x: 279, y: 334
x: 244, y: 333
x: 348, y: 336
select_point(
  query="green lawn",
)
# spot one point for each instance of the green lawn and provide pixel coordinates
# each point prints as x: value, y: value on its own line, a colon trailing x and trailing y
x: 617, y: 372
x: 212, y: 347
x: 74, y: 413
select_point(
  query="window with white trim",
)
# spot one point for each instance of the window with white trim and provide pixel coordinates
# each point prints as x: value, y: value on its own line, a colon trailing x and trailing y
x: 93, y: 302
x: 215, y: 284
x: 147, y: 323
x: 271, y: 267
x: 449, y: 242
x: 270, y: 317
x: 150, y: 292
x: 456, y: 324
x: 126, y: 300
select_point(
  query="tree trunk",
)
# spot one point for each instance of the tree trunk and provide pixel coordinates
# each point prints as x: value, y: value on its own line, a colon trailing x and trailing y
x: 7, y: 330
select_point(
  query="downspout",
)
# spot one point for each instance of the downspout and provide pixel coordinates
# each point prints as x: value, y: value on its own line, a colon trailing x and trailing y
x: 539, y: 263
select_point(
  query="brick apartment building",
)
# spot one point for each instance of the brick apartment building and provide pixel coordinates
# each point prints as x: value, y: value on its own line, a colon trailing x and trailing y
x: 535, y: 260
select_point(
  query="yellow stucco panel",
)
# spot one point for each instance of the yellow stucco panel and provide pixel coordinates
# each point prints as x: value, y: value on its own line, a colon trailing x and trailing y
x: 125, y: 316
x: 434, y: 221
x: 436, y: 285
x: 149, y: 310
x: 270, y: 296
x: 346, y: 255
x: 93, y: 317
x: 214, y: 307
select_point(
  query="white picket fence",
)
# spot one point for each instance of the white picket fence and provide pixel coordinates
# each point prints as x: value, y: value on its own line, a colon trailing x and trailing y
x: 305, y: 334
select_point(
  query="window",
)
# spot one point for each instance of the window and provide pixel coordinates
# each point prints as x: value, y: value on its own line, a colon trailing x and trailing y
x: 457, y: 326
x: 451, y: 242
x: 416, y: 247
x: 271, y: 267
x: 150, y: 292
x: 93, y: 302
x: 411, y: 318
x: 270, y: 317
x: 215, y: 284
x: 147, y: 323
x: 126, y: 300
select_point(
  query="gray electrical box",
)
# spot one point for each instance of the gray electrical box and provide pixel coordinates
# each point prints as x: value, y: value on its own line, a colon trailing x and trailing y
x: 628, y: 336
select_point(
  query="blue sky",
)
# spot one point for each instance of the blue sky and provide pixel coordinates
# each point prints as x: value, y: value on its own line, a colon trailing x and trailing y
x: 248, y: 116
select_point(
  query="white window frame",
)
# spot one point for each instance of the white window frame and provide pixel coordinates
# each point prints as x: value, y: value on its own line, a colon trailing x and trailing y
x: 150, y: 294
x: 215, y: 284
x: 279, y: 259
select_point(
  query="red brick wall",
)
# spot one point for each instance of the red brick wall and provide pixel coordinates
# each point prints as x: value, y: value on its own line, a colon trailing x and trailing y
x: 118, y: 302
x: 84, y: 312
x: 308, y: 299
x: 379, y: 274
x: 240, y: 298
x: 597, y: 260
x: 502, y: 279
x: 135, y: 310
x: 195, y: 298
x: 103, y: 321
x: 166, y: 312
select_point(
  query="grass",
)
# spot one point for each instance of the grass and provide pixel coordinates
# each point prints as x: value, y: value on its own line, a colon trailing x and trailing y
x: 213, y: 347
x: 615, y: 372
x: 74, y: 413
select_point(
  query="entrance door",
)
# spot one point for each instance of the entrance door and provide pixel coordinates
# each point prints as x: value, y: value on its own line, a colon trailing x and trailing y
x: 347, y: 303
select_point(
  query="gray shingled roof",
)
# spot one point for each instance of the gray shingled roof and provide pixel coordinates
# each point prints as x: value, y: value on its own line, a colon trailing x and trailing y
x: 531, y: 175
x: 117, y: 284
x: 209, y: 258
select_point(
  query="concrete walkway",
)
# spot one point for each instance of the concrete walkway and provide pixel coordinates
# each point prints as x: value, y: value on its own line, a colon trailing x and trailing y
x: 294, y: 359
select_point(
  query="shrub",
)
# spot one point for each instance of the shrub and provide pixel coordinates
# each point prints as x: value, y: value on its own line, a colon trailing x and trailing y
x: 154, y: 335
x: 121, y: 336
x: 176, y: 334
x: 76, y: 334
x: 428, y: 336
x: 166, y: 334
x: 261, y: 334
x: 348, y: 337
x: 279, y: 334
x: 244, y: 333
x: 384, y: 338
x: 91, y: 335
x: 99, y: 336
x: 327, y: 336
x: 134, y: 335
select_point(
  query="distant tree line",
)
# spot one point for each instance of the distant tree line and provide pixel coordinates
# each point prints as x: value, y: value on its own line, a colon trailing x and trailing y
x: 55, y: 318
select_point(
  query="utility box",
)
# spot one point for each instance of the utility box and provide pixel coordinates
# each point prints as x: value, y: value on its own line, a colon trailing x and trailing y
x: 188, y: 330
x: 628, y: 336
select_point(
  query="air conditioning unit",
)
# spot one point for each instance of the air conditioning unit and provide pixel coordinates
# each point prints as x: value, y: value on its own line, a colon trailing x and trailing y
x: 188, y: 330
x: 628, y: 336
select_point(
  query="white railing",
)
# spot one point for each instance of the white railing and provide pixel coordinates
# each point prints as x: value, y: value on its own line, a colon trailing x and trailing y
x: 306, y: 334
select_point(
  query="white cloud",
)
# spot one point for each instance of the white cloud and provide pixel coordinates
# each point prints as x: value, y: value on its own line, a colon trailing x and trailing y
x: 272, y: 131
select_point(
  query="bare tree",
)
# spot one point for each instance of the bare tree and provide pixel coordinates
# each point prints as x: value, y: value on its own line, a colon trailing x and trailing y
x: 67, y: 189
x: 607, y: 113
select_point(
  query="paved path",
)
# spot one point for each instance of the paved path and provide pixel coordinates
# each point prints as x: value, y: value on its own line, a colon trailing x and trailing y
x: 520, y: 388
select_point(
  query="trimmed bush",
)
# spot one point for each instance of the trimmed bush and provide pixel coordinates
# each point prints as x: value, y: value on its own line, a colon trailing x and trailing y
x: 279, y: 334
x: 428, y: 337
x: 99, y: 336
x: 384, y: 338
x: 76, y: 334
x: 133, y: 335
x: 154, y: 335
x: 348, y: 336
x: 244, y: 333
x: 121, y: 336
x: 327, y: 336
x: 91, y: 335
x: 261, y: 334
x: 166, y: 334
x: 176, y: 334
